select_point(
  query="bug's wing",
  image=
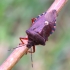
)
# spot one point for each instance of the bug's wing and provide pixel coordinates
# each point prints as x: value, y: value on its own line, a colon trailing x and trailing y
x: 38, y: 24
x: 40, y: 21
x: 51, y: 18
x: 51, y: 24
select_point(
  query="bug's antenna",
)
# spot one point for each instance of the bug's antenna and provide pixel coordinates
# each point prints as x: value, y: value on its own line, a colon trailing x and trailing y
x: 31, y: 59
x: 17, y: 47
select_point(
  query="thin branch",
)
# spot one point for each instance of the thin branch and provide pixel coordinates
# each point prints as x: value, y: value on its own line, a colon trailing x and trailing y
x: 19, y: 52
x: 14, y: 58
x: 57, y: 5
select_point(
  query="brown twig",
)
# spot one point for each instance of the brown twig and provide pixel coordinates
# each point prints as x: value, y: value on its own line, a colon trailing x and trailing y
x: 57, y: 5
x: 14, y: 57
x: 19, y: 52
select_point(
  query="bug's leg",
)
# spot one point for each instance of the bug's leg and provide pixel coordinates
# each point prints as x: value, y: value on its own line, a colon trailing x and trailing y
x: 33, y: 50
x: 33, y: 20
x: 22, y: 43
x: 21, y: 39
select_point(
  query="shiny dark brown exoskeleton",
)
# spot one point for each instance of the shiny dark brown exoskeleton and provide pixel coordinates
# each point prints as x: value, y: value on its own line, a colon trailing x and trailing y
x: 42, y: 27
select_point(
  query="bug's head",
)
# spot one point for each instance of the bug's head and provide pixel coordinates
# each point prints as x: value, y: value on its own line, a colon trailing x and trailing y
x: 30, y: 44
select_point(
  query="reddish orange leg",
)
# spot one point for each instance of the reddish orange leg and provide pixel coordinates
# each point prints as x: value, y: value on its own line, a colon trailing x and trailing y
x: 21, y: 39
x: 33, y: 20
x: 22, y: 43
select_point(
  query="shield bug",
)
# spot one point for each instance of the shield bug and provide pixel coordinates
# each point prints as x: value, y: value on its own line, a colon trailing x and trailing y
x: 40, y: 30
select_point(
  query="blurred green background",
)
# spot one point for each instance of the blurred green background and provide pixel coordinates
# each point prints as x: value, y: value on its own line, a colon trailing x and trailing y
x: 15, y: 19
